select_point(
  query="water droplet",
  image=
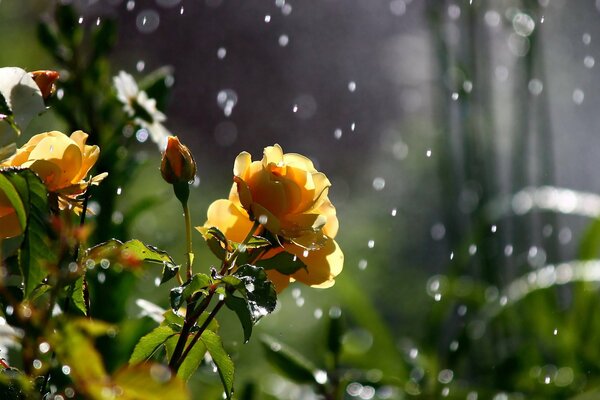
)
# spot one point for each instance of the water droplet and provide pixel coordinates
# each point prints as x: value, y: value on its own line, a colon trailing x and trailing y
x: 221, y: 53
x: 378, y: 184
x: 398, y: 7
x: 119, y: 190
x: 37, y: 364
x: 157, y: 281
x: 300, y: 301
x: 451, y: 255
x: 565, y: 235
x: 227, y: 99
x: 362, y: 264
x: 371, y: 243
x: 353, y: 126
x: 9, y: 310
x: 140, y: 65
x: 147, y: 21
x: 337, y: 133
x: 428, y: 153
x: 66, y: 369
x: 455, y: 96
x: 267, y: 18
x: 394, y: 212
x: 586, y: 38
x: 352, y: 86
x: 104, y: 263
x: 535, y: 87
x: 589, y: 61
x: 181, y: 10
x: 130, y: 5
x: 472, y: 249
x: 492, y: 18
x: 295, y: 108
x: 335, y: 312
x: 318, y: 313
x: 321, y: 377
x: 578, y: 96
x: 523, y: 24
x: 101, y: 277
x: 142, y: 135
x: 286, y: 9
x: 493, y: 228
x: 44, y: 347
x: 98, y: 21
x: 438, y: 231
x: 555, y: 332
x: 467, y: 86
x: 445, y: 376
x: 283, y: 40
x: 453, y: 11
x: 413, y: 353
x: 80, y: 20
x: 508, y: 250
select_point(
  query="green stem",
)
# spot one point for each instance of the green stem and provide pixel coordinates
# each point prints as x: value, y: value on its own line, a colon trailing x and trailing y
x: 188, y: 236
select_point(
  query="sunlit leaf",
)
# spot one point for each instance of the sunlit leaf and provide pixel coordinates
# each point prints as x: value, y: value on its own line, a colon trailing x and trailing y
x: 241, y: 309
x: 283, y: 262
x: 132, y: 254
x: 151, y: 343
x: 77, y: 295
x: 221, y: 359
x: 149, y: 382
x: 198, y: 282
x: 291, y: 363
x: 14, y: 198
x: 174, y: 320
x: 192, y: 361
x: 216, y: 241
x: 168, y: 272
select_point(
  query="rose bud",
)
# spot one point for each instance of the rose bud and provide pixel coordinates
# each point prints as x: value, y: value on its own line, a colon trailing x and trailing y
x: 45, y: 80
x: 178, y: 165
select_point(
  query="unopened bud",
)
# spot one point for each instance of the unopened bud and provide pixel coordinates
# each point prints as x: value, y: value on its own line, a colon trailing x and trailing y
x: 178, y: 165
x: 45, y: 80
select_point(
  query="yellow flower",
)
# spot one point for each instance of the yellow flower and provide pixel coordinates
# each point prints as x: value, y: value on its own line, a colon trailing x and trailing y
x: 286, y: 194
x: 61, y: 162
x: 9, y: 223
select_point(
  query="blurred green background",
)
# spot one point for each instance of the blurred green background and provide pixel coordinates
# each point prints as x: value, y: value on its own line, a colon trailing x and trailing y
x: 461, y: 140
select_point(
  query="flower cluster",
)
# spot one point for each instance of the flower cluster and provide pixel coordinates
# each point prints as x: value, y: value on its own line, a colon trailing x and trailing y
x: 289, y: 198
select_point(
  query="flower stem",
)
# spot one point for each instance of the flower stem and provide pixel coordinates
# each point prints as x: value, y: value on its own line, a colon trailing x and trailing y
x: 188, y: 236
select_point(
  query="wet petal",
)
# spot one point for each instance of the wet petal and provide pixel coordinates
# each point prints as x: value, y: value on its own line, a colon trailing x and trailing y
x: 323, y: 265
x: 230, y: 220
x: 241, y: 164
x: 272, y: 154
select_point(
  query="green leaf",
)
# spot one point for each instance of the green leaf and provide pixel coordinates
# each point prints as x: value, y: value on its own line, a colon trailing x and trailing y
x: 291, y: 363
x: 241, y: 309
x: 216, y: 241
x: 168, y: 272
x: 285, y: 263
x: 131, y: 254
x: 77, y: 294
x: 221, y: 359
x: 256, y: 242
x: 35, y: 251
x: 192, y: 360
x: 174, y: 320
x: 151, y: 343
x: 13, y: 198
x: 198, y: 283
x: 258, y: 290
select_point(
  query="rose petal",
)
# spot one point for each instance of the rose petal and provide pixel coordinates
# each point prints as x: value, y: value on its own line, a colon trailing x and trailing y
x: 323, y: 265
x: 230, y: 220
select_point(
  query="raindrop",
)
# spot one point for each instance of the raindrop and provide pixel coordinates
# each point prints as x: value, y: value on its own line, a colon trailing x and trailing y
x: 453, y: 11
x: 565, y: 235
x: 589, y: 61
x: 140, y: 66
x: 586, y: 38
x: 438, y: 231
x: 147, y: 21
x: 547, y: 230
x: 467, y: 86
x: 472, y: 249
x: 335, y: 312
x: 286, y: 9
x: 119, y: 190
x: 66, y: 369
x: 493, y: 228
x: 157, y: 281
x: 305, y: 106
x: 462, y: 310
x: 535, y: 87
x: 181, y: 10
x: 130, y: 5
x: 73, y: 267
x: 142, y: 135
x: 279, y: 3
x: 455, y: 96
x: 300, y: 301
x: 492, y: 18
x: 227, y: 99
x: 394, y: 212
x: 267, y: 18
x: 37, y: 364
x: 472, y: 396
x: 318, y: 313
x: 378, y: 184
x: 295, y: 108
x: 523, y: 24
x: 445, y: 376
x: 413, y: 353
x: 337, y: 133
x: 555, y: 332
x: 80, y: 20
x: 445, y: 392
x: 400, y: 150
x: 362, y: 264
x: 352, y: 86
x: 221, y: 53
x: 353, y: 126
x: 101, y: 277
x: 501, y: 73
x: 578, y: 96
x: 451, y: 255
x: 44, y: 347
x: 398, y: 7
x: 283, y: 40
x: 9, y: 310
x: 428, y: 153
x: 371, y: 243
x: 98, y: 21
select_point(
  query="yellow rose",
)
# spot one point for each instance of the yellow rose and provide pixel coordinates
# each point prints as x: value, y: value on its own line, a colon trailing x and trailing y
x: 61, y: 162
x: 9, y: 223
x: 286, y: 194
